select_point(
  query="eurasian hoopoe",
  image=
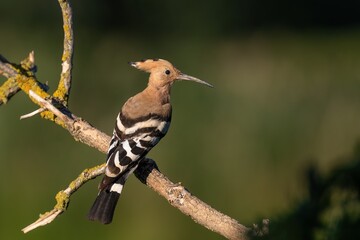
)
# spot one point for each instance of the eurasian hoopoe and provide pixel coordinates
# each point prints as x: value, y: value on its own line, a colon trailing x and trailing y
x: 142, y: 122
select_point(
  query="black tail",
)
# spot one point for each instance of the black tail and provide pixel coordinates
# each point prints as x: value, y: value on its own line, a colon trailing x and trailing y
x: 104, y: 206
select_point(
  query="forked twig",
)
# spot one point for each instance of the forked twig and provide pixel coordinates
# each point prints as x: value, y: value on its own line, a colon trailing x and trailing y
x: 63, y: 197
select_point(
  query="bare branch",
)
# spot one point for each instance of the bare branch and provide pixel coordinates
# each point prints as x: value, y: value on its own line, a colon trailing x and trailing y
x: 33, y: 113
x: 12, y: 72
x: 63, y: 197
x: 10, y: 87
x: 44, y: 219
x: 179, y: 197
x: 6, y: 68
x: 80, y: 129
x: 47, y: 105
x: 63, y: 90
x: 28, y: 64
x: 8, y: 90
x: 20, y: 77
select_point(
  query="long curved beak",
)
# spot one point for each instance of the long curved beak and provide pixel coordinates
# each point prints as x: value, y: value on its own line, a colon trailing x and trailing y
x: 183, y: 76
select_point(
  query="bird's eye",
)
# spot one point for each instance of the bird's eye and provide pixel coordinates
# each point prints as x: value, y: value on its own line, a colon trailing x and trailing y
x: 167, y: 72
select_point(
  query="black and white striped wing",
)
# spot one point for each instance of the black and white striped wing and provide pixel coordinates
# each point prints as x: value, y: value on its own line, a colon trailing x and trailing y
x: 130, y: 144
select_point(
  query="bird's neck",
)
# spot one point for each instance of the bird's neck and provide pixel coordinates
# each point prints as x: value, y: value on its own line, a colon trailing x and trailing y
x: 162, y: 93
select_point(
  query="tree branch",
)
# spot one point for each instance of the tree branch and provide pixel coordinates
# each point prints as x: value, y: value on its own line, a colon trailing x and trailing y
x: 8, y: 90
x: 179, y: 197
x: 63, y: 197
x: 80, y: 129
x: 6, y: 68
x: 63, y: 90
x: 10, y: 71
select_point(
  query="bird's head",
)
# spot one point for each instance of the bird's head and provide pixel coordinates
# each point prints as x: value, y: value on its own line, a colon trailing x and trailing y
x: 163, y: 73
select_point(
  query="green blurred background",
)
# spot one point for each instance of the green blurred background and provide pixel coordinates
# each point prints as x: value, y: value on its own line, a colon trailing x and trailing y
x: 286, y: 97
